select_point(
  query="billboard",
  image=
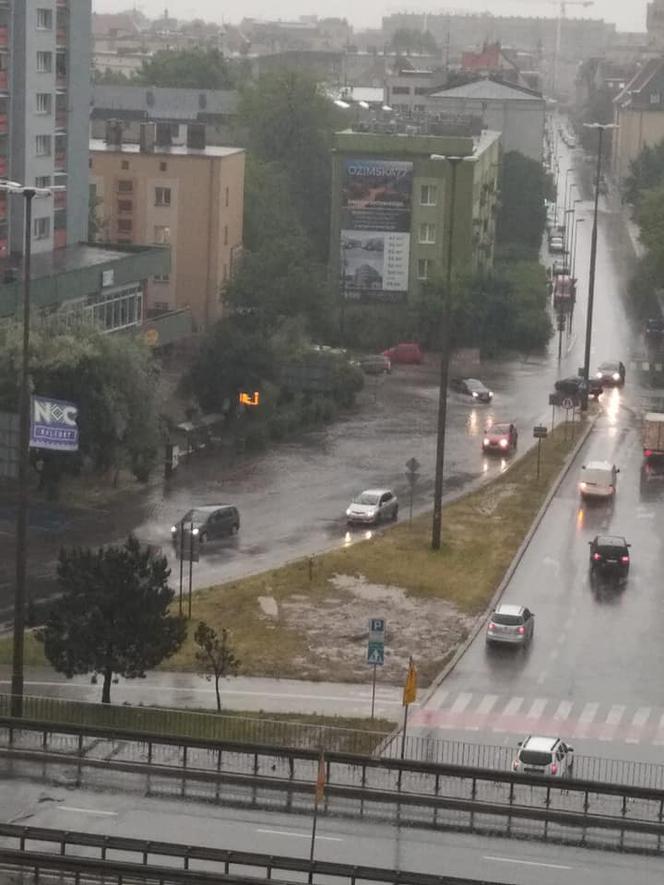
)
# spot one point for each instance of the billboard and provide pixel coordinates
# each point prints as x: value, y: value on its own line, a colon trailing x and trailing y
x: 53, y: 424
x: 375, y: 228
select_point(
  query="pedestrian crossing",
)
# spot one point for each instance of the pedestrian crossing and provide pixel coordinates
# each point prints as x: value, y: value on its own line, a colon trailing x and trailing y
x: 501, y: 714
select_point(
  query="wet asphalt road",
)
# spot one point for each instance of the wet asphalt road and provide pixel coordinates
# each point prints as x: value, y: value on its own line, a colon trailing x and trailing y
x: 340, y: 839
x: 593, y: 672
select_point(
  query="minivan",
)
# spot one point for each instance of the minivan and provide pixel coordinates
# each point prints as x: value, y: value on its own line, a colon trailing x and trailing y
x: 598, y: 479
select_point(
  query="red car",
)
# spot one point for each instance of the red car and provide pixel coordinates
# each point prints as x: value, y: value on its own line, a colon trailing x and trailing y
x: 406, y: 352
x: 500, y: 438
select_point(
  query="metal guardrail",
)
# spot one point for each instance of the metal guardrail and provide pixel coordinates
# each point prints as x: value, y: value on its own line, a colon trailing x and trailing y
x: 418, y: 793
x: 120, y: 855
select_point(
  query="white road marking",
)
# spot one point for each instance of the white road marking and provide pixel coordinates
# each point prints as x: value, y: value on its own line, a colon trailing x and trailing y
x: 563, y: 711
x: 587, y: 715
x: 461, y: 702
x: 87, y: 811
x: 638, y: 721
x: 511, y: 709
x: 486, y: 704
x: 527, y: 863
x: 659, y: 737
x: 612, y: 721
x: 537, y: 708
x: 300, y: 835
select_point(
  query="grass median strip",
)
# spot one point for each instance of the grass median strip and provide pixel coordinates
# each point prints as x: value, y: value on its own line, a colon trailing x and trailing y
x: 308, y: 620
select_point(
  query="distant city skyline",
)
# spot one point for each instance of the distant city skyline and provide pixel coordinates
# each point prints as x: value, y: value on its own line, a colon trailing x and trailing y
x: 627, y: 17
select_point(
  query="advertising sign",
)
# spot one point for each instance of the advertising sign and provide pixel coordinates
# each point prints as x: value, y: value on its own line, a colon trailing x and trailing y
x: 53, y: 424
x: 375, y: 228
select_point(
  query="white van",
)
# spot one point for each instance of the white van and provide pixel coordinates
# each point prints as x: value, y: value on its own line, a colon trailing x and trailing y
x: 598, y: 479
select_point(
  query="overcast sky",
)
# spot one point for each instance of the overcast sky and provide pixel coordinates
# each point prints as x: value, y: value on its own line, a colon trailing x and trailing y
x: 627, y: 16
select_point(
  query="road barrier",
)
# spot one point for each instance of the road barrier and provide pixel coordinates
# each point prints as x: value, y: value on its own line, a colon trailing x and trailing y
x: 135, y: 859
x: 410, y: 792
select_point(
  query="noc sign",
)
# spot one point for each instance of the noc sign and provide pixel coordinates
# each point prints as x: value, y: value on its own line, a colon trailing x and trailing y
x: 53, y: 424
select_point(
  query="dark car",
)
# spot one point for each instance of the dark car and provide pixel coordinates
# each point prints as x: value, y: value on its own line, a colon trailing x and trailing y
x: 572, y: 386
x: 207, y: 522
x: 473, y: 388
x: 611, y: 374
x: 609, y: 554
x: 500, y: 438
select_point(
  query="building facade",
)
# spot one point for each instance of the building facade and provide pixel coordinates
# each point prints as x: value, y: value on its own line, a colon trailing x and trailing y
x: 391, y: 211
x: 190, y: 197
x: 639, y: 113
x: 44, y: 102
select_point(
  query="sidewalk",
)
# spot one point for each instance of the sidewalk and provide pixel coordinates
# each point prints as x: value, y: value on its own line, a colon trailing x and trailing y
x: 181, y: 690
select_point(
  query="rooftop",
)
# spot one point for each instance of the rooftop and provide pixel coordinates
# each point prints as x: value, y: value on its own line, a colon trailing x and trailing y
x: 60, y: 261
x: 161, y: 103
x: 100, y: 146
x: 486, y: 89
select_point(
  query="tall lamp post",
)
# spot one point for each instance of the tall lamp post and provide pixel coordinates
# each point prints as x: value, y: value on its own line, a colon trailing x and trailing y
x: 28, y: 194
x: 601, y: 128
x: 436, y: 529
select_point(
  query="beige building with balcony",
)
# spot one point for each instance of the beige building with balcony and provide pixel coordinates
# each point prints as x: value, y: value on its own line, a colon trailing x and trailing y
x: 190, y: 197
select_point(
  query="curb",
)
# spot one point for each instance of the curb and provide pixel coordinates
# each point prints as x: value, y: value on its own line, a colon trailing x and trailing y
x: 507, y: 577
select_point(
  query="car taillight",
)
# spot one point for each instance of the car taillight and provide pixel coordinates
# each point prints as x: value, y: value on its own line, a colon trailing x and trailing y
x: 583, y: 486
x: 647, y: 453
x: 521, y: 630
x: 624, y: 559
x: 554, y: 768
x: 492, y: 627
x: 597, y: 556
x: 515, y: 765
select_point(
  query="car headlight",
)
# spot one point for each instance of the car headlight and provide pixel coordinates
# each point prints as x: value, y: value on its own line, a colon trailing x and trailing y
x: 616, y: 376
x: 174, y: 530
x: 491, y: 394
x: 194, y: 531
x: 598, y: 375
x: 583, y: 486
x: 486, y: 441
x: 503, y: 443
x: 348, y: 512
x: 474, y: 394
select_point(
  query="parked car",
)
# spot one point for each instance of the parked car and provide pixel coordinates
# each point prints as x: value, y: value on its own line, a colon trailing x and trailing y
x: 609, y: 555
x: 207, y: 522
x: 373, y: 506
x: 510, y: 625
x: 375, y: 364
x: 500, y: 438
x: 572, y: 386
x: 547, y: 756
x: 406, y: 352
x: 654, y: 328
x: 598, y: 479
x: 473, y: 388
x: 560, y: 267
x: 611, y: 374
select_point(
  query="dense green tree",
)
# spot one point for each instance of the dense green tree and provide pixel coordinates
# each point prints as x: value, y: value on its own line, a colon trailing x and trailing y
x: 646, y: 172
x: 112, y: 380
x: 290, y: 123
x: 215, y: 656
x: 197, y: 68
x: 112, y: 616
x: 651, y: 223
x: 524, y: 186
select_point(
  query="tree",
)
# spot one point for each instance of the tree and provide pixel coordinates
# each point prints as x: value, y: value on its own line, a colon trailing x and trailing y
x: 290, y: 123
x: 196, y: 68
x: 651, y: 223
x: 215, y: 656
x: 112, y: 616
x: 646, y: 172
x: 522, y: 214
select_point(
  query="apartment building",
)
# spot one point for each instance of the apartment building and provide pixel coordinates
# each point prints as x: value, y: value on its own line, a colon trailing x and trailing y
x: 187, y: 196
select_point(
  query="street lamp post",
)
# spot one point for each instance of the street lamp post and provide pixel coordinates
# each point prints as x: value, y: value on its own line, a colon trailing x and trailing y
x: 437, y: 524
x: 601, y: 127
x: 28, y: 193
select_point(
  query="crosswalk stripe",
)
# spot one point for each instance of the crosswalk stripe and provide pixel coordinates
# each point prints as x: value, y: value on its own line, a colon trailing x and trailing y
x: 585, y: 719
x: 638, y: 721
x: 659, y: 736
x: 461, y: 702
x: 511, y: 709
x: 613, y: 718
x: 536, y: 708
x: 486, y: 704
x: 563, y: 711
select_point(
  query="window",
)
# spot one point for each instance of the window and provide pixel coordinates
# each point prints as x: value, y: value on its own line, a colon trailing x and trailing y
x: 401, y: 90
x: 45, y: 19
x: 149, y: 98
x: 125, y: 206
x: 162, y: 278
x: 162, y: 196
x: 43, y: 145
x: 43, y: 181
x: 428, y: 195
x: 41, y: 228
x: 225, y: 235
x: 61, y: 65
x: 421, y: 90
x: 43, y: 104
x: 44, y: 62
x: 227, y: 197
x: 163, y: 167
x: 125, y: 225
x: 125, y: 186
x: 654, y: 98
x: 124, y: 164
x: 427, y: 233
x: 162, y: 234
x: 424, y: 268
x: 202, y: 100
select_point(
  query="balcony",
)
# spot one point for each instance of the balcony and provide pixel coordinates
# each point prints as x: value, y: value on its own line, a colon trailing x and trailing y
x: 60, y: 120
x: 4, y: 36
x: 4, y: 251
x: 3, y: 167
x: 4, y: 124
x: 3, y: 208
x: 4, y: 81
x: 60, y: 200
x: 59, y: 238
x: 60, y: 37
x: 60, y: 161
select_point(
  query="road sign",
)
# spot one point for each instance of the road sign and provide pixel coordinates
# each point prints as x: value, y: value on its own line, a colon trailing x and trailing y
x: 540, y: 431
x: 568, y: 403
x: 413, y: 465
x: 376, y: 653
x: 377, y: 629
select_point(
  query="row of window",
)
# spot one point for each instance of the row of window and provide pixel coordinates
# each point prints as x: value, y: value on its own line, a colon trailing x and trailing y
x: 45, y: 63
x: 405, y: 90
x: 162, y: 195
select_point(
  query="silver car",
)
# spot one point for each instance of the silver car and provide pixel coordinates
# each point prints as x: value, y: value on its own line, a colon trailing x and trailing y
x: 510, y: 625
x: 373, y: 506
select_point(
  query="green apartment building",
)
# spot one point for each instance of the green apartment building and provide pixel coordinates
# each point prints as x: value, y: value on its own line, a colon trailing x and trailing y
x: 391, y: 206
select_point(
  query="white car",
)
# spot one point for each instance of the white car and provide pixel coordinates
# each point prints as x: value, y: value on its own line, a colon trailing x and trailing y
x: 373, y: 506
x: 556, y: 244
x: 598, y: 479
x: 548, y: 756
